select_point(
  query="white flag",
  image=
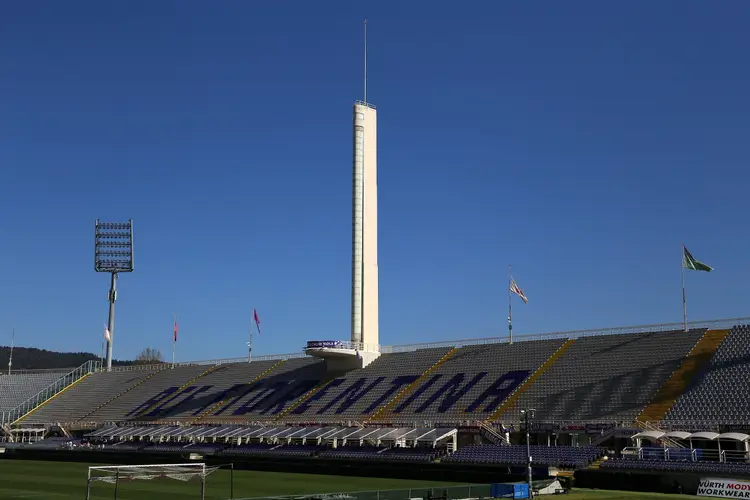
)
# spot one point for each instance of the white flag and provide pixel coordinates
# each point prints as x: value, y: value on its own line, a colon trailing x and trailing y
x: 106, y: 334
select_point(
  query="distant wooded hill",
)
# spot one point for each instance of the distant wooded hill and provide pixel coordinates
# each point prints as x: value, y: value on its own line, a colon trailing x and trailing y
x: 29, y: 358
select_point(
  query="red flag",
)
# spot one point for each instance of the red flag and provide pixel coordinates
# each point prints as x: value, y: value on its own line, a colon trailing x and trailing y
x: 257, y: 319
x: 175, y: 330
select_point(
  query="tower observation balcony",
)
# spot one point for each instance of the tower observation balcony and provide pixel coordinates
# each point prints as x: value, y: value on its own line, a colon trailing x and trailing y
x: 350, y: 354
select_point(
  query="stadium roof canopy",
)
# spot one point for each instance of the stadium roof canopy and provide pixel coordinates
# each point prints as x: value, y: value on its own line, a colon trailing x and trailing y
x: 319, y: 432
x: 709, y: 436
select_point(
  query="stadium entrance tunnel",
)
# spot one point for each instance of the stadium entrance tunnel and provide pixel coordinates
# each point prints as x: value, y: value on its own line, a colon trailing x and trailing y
x: 342, y: 355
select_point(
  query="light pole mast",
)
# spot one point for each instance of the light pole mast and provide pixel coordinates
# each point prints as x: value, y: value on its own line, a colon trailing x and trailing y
x: 113, y: 253
x: 12, y: 344
x: 528, y: 414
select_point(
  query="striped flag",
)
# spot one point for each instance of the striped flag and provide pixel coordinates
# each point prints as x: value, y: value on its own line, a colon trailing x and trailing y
x: 175, y: 329
x: 514, y: 288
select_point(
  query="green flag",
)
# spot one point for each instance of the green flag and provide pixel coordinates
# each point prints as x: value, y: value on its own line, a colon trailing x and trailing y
x: 689, y: 262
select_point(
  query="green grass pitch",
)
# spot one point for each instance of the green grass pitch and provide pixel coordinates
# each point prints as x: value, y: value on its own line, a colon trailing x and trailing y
x: 21, y: 479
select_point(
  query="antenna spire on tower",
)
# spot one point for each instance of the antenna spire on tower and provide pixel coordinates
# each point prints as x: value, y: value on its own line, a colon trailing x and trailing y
x: 365, y: 99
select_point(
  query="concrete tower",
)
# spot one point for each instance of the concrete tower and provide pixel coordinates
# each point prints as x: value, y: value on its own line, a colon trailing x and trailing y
x: 365, y: 228
x: 364, y: 346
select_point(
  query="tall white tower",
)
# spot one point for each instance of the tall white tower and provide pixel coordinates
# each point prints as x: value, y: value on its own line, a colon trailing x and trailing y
x: 364, y: 346
x: 365, y: 227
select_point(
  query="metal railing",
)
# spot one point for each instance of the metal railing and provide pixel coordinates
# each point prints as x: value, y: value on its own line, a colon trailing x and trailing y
x: 40, y: 371
x: 208, y: 362
x: 573, y: 334
x: 57, y: 386
x: 342, y: 344
x: 366, y: 104
x: 668, y: 441
x: 473, y: 491
x: 385, y: 349
x: 696, y: 426
x: 686, y: 455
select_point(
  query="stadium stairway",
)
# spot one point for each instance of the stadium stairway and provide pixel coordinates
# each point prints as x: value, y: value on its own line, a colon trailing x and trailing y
x: 55, y: 396
x: 383, y: 410
x: 681, y: 378
x: 303, y: 398
x: 141, y: 381
x: 512, y: 400
x: 227, y: 400
x: 176, y: 393
x: 596, y: 463
x: 19, y: 393
x: 488, y: 432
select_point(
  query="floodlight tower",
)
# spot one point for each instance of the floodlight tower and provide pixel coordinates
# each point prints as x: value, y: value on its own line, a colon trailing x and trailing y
x: 113, y: 253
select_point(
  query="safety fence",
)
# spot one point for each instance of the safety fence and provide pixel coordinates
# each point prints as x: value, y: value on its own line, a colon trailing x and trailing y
x: 469, y: 491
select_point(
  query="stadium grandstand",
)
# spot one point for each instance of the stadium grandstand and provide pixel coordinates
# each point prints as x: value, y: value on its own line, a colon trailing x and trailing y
x: 656, y: 397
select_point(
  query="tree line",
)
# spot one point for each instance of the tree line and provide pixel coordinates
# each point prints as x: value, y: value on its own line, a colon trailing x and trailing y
x: 31, y: 358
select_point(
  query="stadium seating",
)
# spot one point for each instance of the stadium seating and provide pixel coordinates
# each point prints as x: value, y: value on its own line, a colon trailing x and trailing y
x: 17, y: 388
x: 361, y: 392
x: 474, y: 382
x: 554, y: 456
x: 74, y: 403
x: 470, y: 384
x: 123, y: 406
x: 605, y: 377
x: 713, y: 398
x: 377, y: 453
x: 232, y: 393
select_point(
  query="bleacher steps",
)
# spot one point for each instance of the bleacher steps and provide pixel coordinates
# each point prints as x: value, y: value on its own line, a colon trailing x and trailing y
x: 668, y: 442
x: 303, y: 398
x: 176, y: 393
x: 58, y: 386
x: 223, y: 402
x: 6, y: 432
x: 511, y: 400
x: 42, y: 404
x: 597, y: 440
x: 491, y: 434
x: 122, y: 393
x: 697, y: 358
x: 406, y: 390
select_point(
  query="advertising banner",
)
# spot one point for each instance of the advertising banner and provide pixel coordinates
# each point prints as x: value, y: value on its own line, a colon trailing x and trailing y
x: 723, y: 488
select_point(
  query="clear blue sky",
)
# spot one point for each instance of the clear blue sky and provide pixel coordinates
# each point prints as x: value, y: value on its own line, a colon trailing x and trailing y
x: 580, y: 141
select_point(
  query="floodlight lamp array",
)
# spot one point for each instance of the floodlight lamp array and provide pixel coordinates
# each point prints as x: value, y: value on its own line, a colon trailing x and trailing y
x: 114, y: 225
x: 113, y: 247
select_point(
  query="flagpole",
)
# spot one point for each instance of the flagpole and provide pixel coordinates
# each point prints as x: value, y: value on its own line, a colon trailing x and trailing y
x: 684, y: 298
x: 510, y: 309
x: 12, y: 344
x: 250, y: 343
x: 174, y: 339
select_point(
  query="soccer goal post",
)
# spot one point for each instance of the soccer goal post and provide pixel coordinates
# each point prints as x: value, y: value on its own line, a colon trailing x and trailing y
x: 115, y: 474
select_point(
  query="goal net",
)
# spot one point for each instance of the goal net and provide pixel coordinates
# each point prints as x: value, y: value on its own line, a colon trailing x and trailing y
x: 116, y: 474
